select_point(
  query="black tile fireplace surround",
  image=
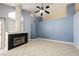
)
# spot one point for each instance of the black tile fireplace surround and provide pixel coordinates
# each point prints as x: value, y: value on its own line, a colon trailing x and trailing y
x: 17, y: 39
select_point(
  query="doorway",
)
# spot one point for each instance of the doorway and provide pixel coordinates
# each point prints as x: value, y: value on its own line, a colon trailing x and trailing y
x: 2, y: 39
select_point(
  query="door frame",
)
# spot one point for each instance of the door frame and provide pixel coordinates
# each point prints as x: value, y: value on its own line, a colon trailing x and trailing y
x: 3, y: 33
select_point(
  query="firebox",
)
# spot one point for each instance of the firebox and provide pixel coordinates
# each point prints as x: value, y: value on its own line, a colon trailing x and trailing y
x: 17, y: 39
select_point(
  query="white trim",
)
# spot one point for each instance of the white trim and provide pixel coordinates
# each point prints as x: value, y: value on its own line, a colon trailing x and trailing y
x: 2, y: 35
x: 55, y: 41
x: 6, y: 41
x: 60, y: 42
x: 76, y: 45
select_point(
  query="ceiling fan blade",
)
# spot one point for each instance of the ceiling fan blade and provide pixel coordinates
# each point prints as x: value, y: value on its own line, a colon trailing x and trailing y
x: 47, y: 12
x: 37, y: 11
x: 47, y: 7
x: 38, y: 7
x: 41, y: 14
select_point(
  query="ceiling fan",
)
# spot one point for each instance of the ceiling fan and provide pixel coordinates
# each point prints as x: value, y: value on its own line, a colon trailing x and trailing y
x: 42, y: 9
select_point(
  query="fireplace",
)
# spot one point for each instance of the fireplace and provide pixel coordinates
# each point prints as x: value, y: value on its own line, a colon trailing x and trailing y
x: 17, y: 39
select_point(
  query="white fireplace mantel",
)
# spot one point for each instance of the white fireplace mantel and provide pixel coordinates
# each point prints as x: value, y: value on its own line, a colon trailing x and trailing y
x: 6, y: 37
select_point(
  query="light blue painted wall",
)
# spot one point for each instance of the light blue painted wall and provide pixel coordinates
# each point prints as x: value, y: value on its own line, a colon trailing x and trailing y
x: 58, y: 29
x: 28, y: 19
x: 76, y: 29
x: 35, y: 27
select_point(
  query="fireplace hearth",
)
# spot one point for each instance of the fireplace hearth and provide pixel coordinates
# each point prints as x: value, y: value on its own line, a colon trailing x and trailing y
x: 17, y: 39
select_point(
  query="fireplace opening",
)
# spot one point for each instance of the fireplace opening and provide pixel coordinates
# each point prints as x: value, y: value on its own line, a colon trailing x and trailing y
x: 18, y: 40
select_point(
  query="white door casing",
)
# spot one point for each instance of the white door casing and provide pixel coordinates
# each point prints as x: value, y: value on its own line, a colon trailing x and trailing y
x: 2, y: 33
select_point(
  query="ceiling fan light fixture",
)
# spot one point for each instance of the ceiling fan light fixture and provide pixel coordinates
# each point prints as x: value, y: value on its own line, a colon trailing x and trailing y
x: 41, y: 11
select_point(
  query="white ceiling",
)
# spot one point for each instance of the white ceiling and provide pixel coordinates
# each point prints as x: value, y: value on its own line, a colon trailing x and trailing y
x: 31, y: 7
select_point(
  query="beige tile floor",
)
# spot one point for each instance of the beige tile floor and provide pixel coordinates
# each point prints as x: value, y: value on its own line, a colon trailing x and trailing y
x: 38, y: 47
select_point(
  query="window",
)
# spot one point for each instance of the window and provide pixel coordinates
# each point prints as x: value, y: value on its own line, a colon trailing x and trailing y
x: 12, y: 16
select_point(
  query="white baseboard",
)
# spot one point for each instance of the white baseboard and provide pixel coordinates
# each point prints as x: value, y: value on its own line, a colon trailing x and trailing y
x: 63, y: 42
x: 57, y: 41
x: 76, y: 45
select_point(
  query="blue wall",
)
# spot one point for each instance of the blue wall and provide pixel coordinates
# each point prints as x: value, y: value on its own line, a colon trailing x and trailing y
x: 27, y: 22
x: 58, y: 29
x: 35, y: 27
x: 76, y: 29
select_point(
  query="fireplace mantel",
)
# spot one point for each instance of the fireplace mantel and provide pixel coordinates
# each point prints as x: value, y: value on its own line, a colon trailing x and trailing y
x: 15, y: 39
x: 15, y: 32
